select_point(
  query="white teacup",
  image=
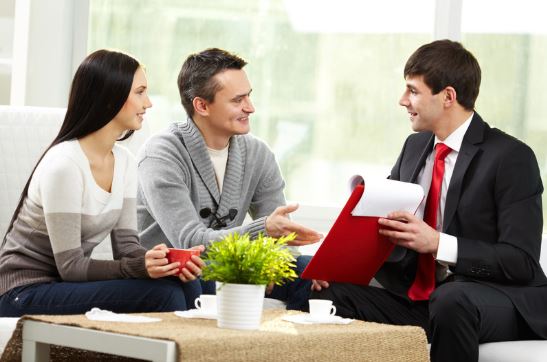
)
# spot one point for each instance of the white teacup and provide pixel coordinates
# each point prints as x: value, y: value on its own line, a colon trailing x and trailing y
x: 206, y: 303
x: 321, y: 308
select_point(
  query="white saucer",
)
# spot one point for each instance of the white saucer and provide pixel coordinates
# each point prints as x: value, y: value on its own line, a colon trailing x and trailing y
x: 323, y: 319
x: 195, y: 313
x: 305, y: 318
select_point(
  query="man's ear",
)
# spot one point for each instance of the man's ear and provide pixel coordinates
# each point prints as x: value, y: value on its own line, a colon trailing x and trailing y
x: 200, y: 106
x: 450, y: 96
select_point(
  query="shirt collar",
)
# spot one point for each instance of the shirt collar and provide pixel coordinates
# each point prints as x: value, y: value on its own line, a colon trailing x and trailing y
x: 223, y: 151
x: 455, y: 139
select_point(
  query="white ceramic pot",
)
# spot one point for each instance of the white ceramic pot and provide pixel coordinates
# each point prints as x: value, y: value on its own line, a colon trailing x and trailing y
x: 239, y: 306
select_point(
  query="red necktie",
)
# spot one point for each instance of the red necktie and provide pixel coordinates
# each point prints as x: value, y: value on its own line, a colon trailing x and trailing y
x: 424, y: 283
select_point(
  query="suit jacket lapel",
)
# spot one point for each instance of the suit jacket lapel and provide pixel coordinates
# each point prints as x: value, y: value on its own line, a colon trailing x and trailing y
x: 468, y: 150
x: 195, y: 144
x: 422, y: 152
x: 421, y: 161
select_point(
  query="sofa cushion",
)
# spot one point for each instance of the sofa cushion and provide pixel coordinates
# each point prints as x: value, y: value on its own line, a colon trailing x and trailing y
x: 522, y: 351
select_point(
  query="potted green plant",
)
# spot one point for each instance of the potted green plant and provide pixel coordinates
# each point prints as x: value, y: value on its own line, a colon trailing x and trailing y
x: 242, y: 268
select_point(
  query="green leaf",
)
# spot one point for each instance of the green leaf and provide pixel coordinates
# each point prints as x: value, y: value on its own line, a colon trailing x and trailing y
x: 238, y: 259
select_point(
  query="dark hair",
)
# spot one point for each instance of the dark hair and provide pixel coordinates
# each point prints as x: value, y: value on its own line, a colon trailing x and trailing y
x: 445, y: 63
x: 99, y: 90
x: 196, y: 75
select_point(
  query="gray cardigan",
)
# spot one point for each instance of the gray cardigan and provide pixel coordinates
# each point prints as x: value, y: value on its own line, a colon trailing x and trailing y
x: 177, y: 180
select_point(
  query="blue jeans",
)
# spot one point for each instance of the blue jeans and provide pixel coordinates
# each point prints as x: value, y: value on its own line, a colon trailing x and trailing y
x: 119, y: 296
x: 295, y: 293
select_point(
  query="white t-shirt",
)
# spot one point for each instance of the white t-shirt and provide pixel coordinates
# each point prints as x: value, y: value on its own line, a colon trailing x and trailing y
x: 219, y: 158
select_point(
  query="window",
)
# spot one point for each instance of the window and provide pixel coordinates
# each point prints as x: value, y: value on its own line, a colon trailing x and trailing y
x: 7, y: 9
x: 326, y: 75
x: 511, y: 48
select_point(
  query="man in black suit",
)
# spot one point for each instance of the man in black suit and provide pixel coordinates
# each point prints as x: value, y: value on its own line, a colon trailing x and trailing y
x: 474, y: 275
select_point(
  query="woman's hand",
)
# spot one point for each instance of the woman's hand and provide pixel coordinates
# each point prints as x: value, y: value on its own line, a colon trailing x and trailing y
x: 158, y: 266
x: 156, y: 262
x: 192, y: 269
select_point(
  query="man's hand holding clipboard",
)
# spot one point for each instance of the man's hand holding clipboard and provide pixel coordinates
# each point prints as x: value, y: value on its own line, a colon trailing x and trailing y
x: 354, y: 249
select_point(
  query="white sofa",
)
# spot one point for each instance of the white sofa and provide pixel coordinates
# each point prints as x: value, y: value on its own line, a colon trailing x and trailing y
x: 26, y: 131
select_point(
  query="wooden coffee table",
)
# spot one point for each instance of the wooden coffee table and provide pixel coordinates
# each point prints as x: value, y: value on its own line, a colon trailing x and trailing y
x: 175, y: 338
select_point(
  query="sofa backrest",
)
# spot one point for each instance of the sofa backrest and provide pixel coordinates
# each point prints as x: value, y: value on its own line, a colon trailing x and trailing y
x: 25, y: 132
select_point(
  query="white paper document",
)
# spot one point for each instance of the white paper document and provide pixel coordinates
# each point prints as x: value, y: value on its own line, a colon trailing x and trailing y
x: 382, y: 196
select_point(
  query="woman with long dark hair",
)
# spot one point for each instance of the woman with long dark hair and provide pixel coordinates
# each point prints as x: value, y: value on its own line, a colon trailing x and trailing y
x: 83, y: 189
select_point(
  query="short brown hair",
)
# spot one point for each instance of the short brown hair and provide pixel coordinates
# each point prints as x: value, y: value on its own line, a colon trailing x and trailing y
x: 445, y: 63
x: 196, y: 75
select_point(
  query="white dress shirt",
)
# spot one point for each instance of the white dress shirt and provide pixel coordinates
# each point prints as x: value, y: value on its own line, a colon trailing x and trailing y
x: 447, y: 253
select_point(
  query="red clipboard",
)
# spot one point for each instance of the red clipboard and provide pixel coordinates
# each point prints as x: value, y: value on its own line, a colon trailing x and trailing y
x: 353, y: 250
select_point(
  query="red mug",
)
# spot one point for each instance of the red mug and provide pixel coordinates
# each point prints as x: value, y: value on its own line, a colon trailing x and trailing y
x: 181, y: 255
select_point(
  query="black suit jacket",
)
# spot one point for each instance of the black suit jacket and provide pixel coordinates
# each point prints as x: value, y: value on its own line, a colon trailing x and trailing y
x: 493, y: 207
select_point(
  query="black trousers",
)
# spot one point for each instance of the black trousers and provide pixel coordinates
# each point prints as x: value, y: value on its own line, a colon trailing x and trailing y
x: 458, y: 316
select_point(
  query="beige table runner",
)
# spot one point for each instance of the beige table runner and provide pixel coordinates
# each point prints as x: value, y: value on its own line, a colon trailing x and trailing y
x: 277, y: 340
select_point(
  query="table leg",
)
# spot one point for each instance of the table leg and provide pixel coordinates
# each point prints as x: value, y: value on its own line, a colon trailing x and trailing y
x: 35, y: 351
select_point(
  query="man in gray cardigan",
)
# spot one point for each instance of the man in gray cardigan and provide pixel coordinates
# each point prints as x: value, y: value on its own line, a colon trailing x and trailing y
x: 198, y: 179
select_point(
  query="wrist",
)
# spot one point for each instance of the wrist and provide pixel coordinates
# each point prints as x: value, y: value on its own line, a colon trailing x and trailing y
x: 436, y: 244
x: 266, y: 233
